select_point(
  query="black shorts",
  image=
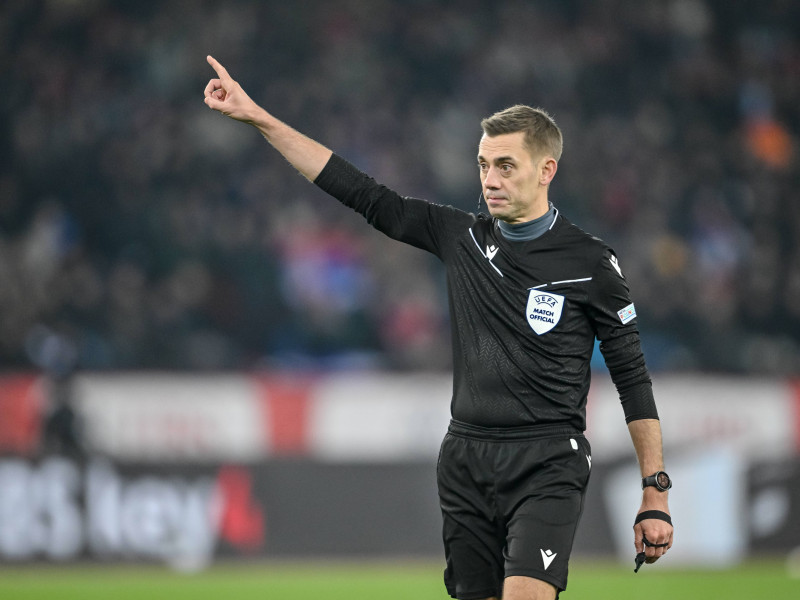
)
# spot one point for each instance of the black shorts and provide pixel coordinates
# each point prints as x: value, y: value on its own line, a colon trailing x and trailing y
x: 511, y: 500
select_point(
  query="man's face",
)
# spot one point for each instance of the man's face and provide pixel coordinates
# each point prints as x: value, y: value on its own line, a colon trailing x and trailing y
x: 514, y: 182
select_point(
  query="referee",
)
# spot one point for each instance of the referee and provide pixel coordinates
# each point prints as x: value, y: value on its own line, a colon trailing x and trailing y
x: 528, y: 294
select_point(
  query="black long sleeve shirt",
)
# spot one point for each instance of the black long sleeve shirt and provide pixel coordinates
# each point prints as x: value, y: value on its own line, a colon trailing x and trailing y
x: 524, y: 315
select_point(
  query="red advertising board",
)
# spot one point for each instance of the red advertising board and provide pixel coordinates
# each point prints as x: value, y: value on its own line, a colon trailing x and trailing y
x: 21, y: 407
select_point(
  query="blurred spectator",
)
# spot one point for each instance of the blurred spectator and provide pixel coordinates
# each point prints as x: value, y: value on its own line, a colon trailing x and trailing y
x: 56, y: 356
x: 163, y: 237
x: 62, y: 431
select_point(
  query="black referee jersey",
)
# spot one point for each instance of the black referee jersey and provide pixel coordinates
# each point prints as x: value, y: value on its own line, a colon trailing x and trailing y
x: 524, y: 315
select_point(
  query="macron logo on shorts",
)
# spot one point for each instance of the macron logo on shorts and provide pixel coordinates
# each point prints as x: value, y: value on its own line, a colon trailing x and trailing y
x: 547, y: 557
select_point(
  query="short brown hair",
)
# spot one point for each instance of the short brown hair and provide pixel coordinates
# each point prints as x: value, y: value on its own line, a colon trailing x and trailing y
x: 542, y: 135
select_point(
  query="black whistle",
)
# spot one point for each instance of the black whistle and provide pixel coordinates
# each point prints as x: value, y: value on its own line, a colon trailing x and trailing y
x: 639, y: 560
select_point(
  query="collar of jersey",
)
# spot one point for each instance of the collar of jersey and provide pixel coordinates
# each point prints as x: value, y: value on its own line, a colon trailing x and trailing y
x: 530, y: 230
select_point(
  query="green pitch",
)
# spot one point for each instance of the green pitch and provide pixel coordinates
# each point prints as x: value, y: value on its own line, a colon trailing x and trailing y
x: 595, y: 581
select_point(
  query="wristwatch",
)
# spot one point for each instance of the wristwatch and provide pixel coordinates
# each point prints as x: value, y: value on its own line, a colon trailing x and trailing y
x: 659, y: 480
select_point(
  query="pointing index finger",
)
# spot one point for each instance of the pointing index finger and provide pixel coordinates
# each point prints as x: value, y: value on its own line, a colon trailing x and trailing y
x: 221, y: 71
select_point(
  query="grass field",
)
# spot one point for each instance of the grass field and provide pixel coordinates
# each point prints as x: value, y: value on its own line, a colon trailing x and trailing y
x: 405, y: 581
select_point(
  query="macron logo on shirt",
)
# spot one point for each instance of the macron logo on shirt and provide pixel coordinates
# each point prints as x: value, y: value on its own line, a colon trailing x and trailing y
x: 615, y: 263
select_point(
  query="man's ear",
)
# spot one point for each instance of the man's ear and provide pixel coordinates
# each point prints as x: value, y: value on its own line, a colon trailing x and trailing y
x: 547, y: 170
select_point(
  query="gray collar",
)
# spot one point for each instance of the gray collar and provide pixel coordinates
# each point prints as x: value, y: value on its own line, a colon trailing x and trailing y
x: 524, y: 232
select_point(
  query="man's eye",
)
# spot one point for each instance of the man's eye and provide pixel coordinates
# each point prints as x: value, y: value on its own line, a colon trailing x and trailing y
x: 506, y: 168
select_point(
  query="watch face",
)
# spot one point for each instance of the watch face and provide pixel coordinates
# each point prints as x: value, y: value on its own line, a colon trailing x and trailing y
x: 663, y: 480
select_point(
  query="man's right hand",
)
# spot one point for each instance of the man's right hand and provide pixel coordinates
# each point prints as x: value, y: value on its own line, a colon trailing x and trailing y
x: 224, y: 95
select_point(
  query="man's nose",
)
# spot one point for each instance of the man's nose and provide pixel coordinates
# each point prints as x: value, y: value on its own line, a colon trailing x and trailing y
x: 492, y: 179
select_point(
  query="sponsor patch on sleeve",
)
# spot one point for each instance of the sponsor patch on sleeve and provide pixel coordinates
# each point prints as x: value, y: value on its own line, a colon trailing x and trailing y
x: 627, y: 314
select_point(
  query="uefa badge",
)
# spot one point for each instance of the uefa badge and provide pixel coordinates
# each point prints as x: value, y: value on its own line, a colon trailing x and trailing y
x: 543, y: 310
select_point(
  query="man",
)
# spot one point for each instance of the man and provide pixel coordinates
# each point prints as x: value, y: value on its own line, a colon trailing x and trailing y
x: 528, y: 293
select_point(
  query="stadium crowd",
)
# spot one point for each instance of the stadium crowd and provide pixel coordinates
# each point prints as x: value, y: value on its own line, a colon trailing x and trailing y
x: 138, y: 229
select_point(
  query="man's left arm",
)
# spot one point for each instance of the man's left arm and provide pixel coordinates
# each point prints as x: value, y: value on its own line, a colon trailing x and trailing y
x: 646, y: 437
x: 614, y: 318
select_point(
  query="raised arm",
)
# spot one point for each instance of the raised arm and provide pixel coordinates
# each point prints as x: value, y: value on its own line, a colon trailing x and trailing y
x: 225, y: 95
x: 646, y: 437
